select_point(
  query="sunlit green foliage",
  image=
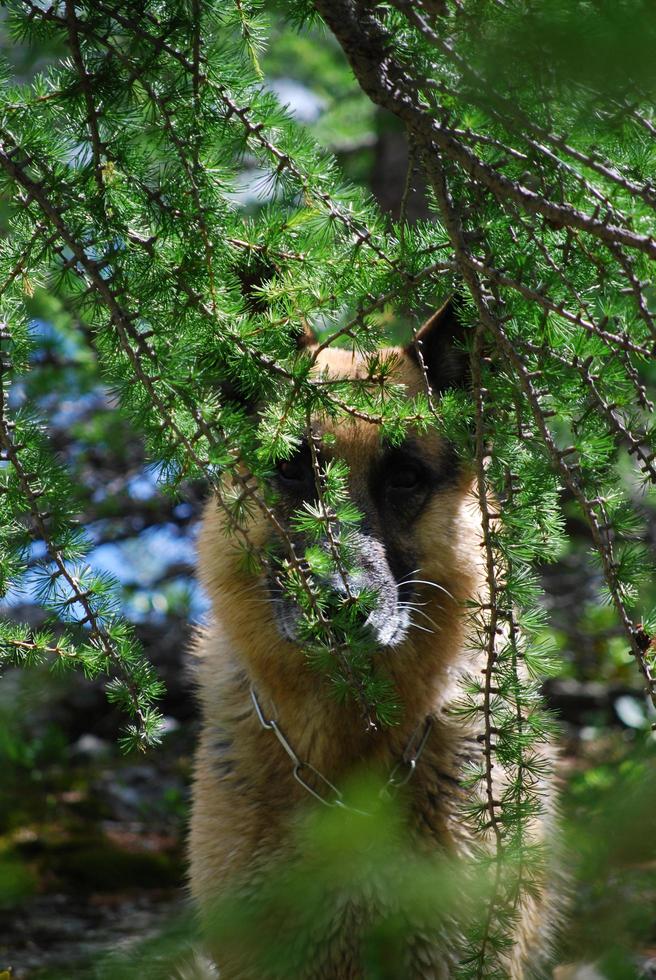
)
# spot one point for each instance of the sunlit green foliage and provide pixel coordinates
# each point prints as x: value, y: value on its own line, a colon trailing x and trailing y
x: 154, y: 185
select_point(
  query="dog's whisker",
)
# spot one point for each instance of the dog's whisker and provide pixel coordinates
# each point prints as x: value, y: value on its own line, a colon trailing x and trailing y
x: 412, y: 607
x: 435, y: 585
x: 415, y: 609
x: 429, y: 618
x: 252, y: 588
x: 416, y: 626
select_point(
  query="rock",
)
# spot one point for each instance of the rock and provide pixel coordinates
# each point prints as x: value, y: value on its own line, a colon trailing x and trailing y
x: 89, y: 746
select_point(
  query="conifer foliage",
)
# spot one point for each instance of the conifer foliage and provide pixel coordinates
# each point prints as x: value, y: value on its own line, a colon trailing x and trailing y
x: 120, y: 168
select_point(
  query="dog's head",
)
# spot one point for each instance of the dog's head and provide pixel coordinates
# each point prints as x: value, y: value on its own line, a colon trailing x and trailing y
x: 405, y: 494
x: 415, y: 545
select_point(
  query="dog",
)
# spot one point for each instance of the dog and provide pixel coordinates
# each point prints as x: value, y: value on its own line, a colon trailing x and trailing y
x: 418, y: 541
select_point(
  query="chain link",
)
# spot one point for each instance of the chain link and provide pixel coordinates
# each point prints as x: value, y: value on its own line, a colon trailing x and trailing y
x: 333, y: 797
x: 409, y: 759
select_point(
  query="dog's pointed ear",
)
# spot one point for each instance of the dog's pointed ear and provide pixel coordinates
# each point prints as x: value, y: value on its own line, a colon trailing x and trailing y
x: 439, y: 344
x: 306, y: 337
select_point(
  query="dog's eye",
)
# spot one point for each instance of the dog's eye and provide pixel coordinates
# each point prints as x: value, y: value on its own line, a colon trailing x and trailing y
x: 407, y: 477
x: 292, y: 470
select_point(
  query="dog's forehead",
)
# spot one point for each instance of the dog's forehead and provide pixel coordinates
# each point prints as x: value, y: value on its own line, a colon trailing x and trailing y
x: 355, y: 439
x: 337, y: 362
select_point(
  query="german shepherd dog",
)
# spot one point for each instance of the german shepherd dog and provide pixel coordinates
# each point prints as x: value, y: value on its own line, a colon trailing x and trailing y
x: 419, y: 541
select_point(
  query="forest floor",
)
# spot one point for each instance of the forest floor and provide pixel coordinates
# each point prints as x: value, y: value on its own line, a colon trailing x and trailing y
x: 92, y: 859
x: 92, y: 855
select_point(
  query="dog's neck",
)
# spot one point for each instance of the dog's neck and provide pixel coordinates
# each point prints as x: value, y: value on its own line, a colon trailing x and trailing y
x: 335, y: 736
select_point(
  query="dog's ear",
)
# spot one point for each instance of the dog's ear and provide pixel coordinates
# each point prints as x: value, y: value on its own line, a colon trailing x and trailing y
x: 439, y: 344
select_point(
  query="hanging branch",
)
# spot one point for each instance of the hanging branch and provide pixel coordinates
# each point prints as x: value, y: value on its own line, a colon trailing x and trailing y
x: 369, y: 48
x: 490, y: 631
x: 143, y: 360
x: 546, y: 238
x: 99, y: 636
x: 92, y: 113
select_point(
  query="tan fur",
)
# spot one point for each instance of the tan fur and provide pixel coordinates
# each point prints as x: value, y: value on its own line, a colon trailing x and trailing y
x: 243, y: 815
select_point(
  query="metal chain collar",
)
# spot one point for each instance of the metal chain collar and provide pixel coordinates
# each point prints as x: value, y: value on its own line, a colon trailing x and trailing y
x: 398, y: 777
